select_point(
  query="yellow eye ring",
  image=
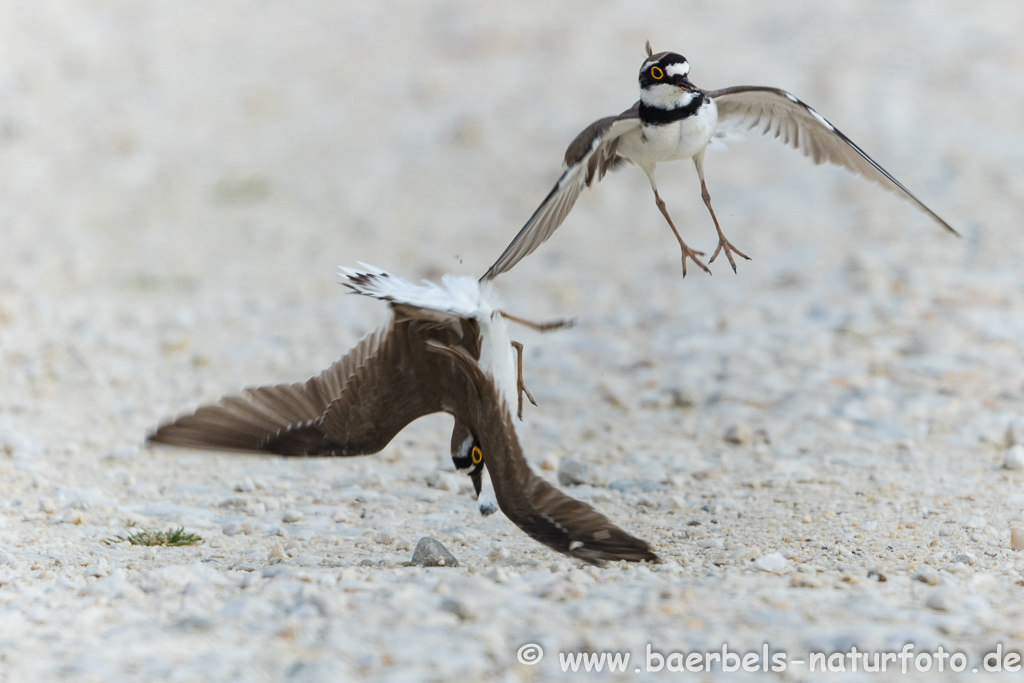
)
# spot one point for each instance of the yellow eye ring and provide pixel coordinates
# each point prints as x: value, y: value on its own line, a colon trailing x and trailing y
x: 476, y: 455
x: 656, y: 73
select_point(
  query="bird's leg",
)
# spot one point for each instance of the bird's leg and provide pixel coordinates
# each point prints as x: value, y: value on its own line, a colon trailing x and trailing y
x: 520, y: 385
x: 723, y: 243
x: 687, y: 252
x: 539, y: 327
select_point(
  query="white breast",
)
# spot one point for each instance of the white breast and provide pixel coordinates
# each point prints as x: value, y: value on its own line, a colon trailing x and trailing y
x: 682, y: 139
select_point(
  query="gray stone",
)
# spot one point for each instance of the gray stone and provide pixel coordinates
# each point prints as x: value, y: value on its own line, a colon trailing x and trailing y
x: 430, y: 553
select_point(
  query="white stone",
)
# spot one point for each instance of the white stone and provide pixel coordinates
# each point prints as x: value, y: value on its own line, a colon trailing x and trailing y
x: 101, y: 567
x: 943, y: 600
x: 773, y: 562
x: 1013, y: 459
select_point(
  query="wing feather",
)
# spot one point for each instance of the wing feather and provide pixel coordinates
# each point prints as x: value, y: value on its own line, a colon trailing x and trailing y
x: 282, y: 419
x: 780, y: 114
x: 590, y: 156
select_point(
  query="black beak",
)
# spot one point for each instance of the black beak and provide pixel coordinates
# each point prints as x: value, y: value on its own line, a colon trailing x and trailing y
x: 477, y: 476
x: 683, y: 82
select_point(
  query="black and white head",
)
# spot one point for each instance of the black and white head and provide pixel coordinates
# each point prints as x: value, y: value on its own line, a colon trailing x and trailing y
x: 468, y: 458
x: 664, y: 80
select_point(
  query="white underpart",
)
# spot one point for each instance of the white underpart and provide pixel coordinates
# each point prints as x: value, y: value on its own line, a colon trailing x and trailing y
x: 681, y: 139
x: 678, y: 69
x: 497, y: 358
x: 666, y: 96
x: 486, y: 502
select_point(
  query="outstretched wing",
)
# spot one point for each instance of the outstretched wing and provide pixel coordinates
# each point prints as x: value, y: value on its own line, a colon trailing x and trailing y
x: 283, y: 419
x: 591, y: 154
x: 354, y: 407
x: 549, y: 516
x: 780, y: 114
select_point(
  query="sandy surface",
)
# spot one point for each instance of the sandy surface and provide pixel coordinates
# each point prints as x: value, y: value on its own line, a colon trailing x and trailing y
x: 180, y: 182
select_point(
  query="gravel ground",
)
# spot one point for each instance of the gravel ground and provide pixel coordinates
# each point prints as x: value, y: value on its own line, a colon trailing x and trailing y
x: 817, y: 446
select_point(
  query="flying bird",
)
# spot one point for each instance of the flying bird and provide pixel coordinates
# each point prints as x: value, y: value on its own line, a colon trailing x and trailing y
x: 675, y: 119
x: 445, y: 349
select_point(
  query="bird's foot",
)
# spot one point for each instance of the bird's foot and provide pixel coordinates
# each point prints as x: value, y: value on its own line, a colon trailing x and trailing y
x: 520, y: 385
x: 692, y: 255
x: 539, y: 327
x: 726, y: 246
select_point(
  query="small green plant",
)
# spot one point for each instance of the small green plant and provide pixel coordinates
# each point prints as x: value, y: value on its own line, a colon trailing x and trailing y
x: 174, y: 537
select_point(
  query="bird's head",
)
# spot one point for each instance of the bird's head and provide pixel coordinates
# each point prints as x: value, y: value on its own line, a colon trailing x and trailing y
x: 664, y: 80
x: 468, y: 458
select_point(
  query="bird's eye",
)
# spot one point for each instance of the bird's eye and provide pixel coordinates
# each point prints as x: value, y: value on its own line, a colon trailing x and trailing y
x: 477, y: 455
x: 656, y: 73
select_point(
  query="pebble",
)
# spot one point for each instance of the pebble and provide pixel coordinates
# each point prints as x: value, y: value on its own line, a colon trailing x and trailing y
x: 685, y: 397
x: 1017, y: 538
x: 499, y: 556
x: 465, y: 610
x: 72, y: 516
x: 101, y: 567
x: 497, y: 575
x: 927, y: 575
x: 739, y: 434
x: 276, y: 552
x: 235, y: 528
x: 575, y: 473
x: 943, y: 600
x: 807, y: 581
x: 974, y: 522
x: 774, y: 563
x: 245, y: 485
x: 746, y: 554
x: 430, y: 552
x: 15, y: 444
x: 966, y: 558
x: 385, y: 537
x: 1013, y: 459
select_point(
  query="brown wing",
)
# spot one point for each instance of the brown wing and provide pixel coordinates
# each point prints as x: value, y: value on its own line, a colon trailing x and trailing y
x: 404, y: 382
x: 591, y: 154
x: 282, y: 419
x: 558, y: 521
x: 354, y: 407
x: 780, y: 114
